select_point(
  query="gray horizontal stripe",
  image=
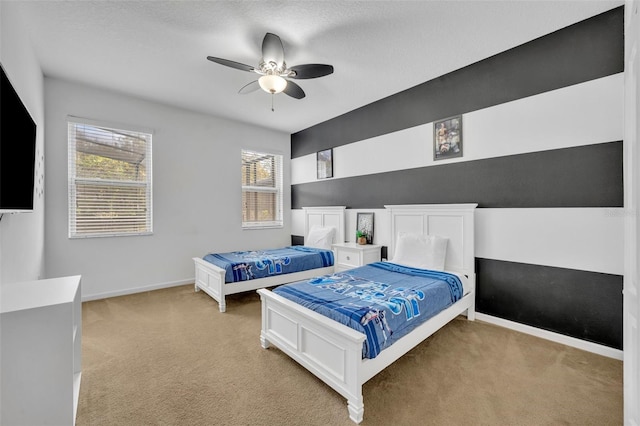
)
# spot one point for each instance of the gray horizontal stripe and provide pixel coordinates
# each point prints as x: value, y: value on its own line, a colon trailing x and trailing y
x: 583, y: 176
x: 581, y: 304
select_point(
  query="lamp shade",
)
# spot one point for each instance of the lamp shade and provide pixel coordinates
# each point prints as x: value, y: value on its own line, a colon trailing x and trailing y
x: 272, y: 83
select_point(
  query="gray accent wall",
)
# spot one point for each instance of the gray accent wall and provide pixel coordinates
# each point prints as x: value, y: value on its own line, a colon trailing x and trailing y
x: 581, y: 304
x: 585, y: 176
x: 542, y: 144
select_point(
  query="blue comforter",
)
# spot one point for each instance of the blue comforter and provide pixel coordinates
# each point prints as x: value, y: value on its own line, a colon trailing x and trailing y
x: 383, y: 300
x: 248, y: 265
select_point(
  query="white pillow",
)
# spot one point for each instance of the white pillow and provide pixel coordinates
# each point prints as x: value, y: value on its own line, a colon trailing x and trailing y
x: 320, y: 237
x: 420, y: 251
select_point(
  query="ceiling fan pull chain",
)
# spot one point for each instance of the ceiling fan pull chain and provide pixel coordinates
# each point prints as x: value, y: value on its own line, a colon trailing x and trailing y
x: 272, y: 110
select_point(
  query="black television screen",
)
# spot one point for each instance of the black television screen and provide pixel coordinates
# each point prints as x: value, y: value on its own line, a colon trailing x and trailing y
x: 17, y: 151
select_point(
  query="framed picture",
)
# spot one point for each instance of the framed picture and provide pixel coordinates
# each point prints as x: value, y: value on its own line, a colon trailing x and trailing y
x: 364, y: 226
x: 447, y: 138
x: 325, y: 163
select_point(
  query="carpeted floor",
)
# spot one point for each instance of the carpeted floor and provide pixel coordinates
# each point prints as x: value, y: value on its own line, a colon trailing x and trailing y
x: 169, y: 357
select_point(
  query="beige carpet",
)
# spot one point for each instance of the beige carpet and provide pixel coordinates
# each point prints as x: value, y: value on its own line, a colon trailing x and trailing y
x: 169, y: 357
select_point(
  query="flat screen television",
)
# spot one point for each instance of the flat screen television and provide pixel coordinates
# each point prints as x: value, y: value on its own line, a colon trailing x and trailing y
x: 17, y: 151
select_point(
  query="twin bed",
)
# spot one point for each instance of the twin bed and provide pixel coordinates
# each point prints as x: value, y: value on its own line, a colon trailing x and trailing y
x: 346, y: 327
x: 222, y: 274
x: 334, y: 352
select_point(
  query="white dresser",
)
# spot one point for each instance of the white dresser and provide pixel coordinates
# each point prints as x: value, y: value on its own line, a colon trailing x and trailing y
x: 352, y: 255
x: 40, y: 351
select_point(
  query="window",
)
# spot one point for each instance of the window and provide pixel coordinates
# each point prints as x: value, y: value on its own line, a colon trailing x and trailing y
x: 109, y: 180
x: 261, y: 190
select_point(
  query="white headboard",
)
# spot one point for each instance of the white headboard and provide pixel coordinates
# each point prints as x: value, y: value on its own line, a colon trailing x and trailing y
x: 325, y: 216
x: 453, y: 221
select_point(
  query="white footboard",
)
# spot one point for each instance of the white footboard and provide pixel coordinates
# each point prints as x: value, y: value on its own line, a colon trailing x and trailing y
x: 210, y: 279
x: 332, y: 351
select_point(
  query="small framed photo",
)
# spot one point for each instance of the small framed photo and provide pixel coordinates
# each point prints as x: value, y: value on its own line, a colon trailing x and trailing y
x: 447, y: 138
x: 364, y: 226
x: 325, y: 163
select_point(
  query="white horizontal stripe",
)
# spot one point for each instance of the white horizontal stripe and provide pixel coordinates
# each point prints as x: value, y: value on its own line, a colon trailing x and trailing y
x: 582, y: 114
x: 587, y: 239
x: 405, y: 149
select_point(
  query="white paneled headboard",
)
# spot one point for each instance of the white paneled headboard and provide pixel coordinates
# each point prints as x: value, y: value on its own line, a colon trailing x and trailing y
x: 453, y: 221
x: 326, y: 216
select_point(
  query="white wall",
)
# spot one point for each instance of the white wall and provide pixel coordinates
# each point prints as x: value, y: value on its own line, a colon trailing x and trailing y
x: 22, y: 234
x: 196, y: 192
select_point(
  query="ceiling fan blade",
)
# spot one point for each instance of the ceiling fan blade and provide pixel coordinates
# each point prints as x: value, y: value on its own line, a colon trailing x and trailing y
x: 294, y: 90
x: 248, y: 88
x: 232, y: 64
x: 272, y: 49
x: 311, y: 71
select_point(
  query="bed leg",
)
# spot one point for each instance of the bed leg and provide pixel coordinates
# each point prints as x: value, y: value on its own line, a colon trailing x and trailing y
x: 197, y: 289
x: 264, y: 342
x: 471, y: 313
x: 356, y: 410
x: 222, y: 305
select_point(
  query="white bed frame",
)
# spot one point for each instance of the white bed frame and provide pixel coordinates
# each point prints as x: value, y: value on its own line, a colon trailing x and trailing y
x: 211, y: 279
x: 332, y: 351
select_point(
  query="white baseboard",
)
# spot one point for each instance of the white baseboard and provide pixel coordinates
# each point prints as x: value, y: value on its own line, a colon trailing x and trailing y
x: 522, y: 328
x: 554, y: 337
x: 98, y: 296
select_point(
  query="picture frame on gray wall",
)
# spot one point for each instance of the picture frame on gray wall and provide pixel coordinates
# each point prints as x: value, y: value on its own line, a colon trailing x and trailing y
x: 324, y: 160
x: 447, y: 138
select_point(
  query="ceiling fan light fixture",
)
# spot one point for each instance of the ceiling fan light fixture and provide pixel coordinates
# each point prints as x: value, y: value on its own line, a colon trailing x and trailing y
x: 275, y: 75
x: 272, y: 83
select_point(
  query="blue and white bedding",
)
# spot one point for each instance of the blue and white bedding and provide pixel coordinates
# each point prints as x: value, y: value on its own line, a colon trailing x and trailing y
x: 249, y: 265
x: 382, y: 300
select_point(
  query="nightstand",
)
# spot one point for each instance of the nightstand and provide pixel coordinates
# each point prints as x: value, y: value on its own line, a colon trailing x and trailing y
x: 352, y: 255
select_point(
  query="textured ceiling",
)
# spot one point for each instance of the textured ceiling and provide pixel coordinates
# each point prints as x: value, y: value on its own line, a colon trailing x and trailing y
x: 157, y: 49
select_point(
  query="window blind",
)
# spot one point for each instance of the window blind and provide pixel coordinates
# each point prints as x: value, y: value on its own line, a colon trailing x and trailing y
x: 261, y: 189
x: 109, y: 181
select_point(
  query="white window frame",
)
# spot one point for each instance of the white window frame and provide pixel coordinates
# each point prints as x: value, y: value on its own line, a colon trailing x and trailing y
x: 277, y: 189
x: 73, y: 179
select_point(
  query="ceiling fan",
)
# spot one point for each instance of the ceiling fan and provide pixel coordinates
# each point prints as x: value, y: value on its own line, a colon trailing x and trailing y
x: 274, y: 74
